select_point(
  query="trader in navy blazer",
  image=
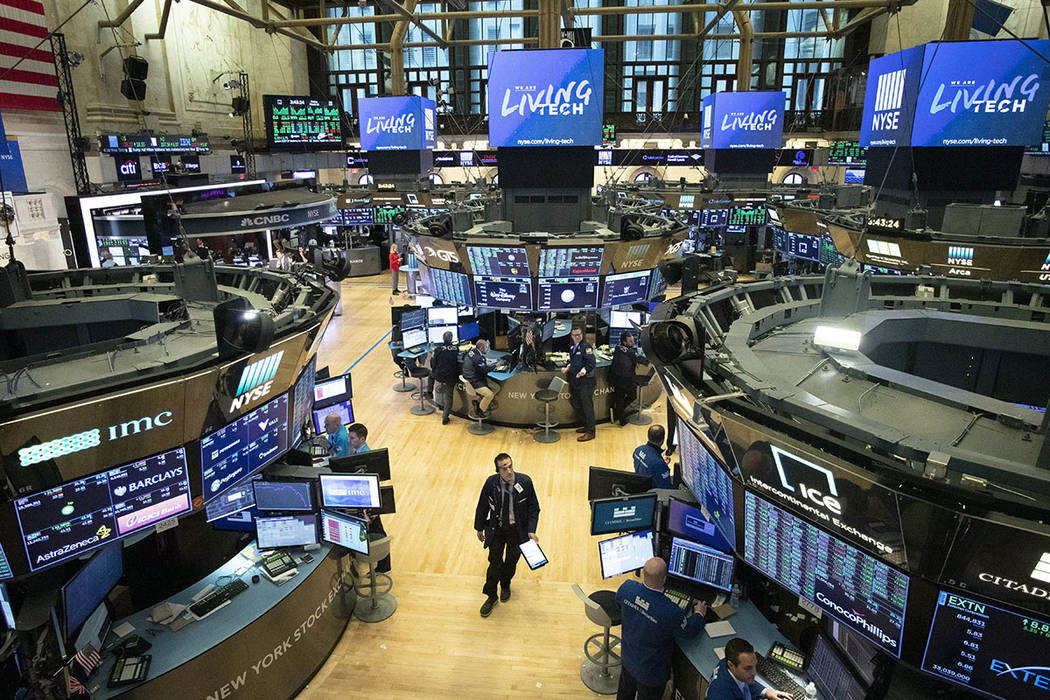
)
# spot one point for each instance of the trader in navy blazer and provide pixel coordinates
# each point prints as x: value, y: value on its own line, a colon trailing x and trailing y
x: 734, y: 677
x: 651, y: 622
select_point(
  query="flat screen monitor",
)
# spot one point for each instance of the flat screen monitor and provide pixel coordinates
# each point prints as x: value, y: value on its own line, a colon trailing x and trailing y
x: 424, y: 300
x: 371, y: 462
x: 625, y: 288
x: 861, y: 653
x: 699, y: 563
x: 232, y: 500
x: 5, y: 566
x: 302, y: 123
x: 710, y: 483
x: 625, y: 319
x: 414, y: 338
x: 333, y: 390
x: 160, y: 164
x: 284, y: 495
x: 688, y: 521
x: 571, y: 262
x: 345, y: 531
x: 609, y: 483
x: 6, y: 609
x: 64, y: 522
x: 498, y: 261
x: 714, y: 218
x: 244, y: 521
x: 847, y: 153
x: 343, y: 409
x: 657, y: 283
x: 350, y: 490
x: 95, y: 628
x: 854, y: 176
x: 303, y: 397
x: 626, y: 553
x: 503, y: 293
x: 436, y: 334
x: 413, y: 318
x: 285, y: 531
x: 622, y: 514
x: 469, y: 331
x: 244, y: 446
x: 747, y: 215
x: 90, y: 586
x: 386, y: 500
x: 356, y: 216
x: 442, y: 316
x: 846, y: 591
x: 453, y: 287
x: 832, y: 676
x: 567, y: 293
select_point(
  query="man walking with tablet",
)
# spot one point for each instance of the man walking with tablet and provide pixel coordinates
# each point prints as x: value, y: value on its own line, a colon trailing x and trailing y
x: 507, y: 515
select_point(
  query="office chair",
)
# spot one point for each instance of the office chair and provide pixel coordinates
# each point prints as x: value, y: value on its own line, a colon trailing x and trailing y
x: 600, y: 671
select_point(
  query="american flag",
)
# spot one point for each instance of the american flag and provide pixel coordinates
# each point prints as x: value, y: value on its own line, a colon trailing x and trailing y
x: 32, y: 84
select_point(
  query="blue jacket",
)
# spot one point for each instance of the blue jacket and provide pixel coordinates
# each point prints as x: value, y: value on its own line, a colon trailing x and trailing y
x: 724, y: 687
x: 445, y: 364
x: 581, y: 357
x: 340, y: 442
x: 476, y: 368
x: 649, y: 460
x: 650, y: 624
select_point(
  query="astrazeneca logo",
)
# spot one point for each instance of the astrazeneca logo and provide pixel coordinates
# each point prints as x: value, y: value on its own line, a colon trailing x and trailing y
x: 967, y: 96
x: 256, y: 380
x: 960, y: 255
x: 749, y: 121
x: 889, y: 96
x: 830, y: 501
x: 264, y: 220
x: 87, y: 439
x: 549, y: 100
x: 399, y: 124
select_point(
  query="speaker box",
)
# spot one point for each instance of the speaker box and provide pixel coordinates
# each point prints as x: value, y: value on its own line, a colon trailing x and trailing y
x: 133, y: 86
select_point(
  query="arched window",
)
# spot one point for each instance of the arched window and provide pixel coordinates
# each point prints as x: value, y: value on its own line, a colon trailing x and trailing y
x: 644, y: 176
x: 436, y: 179
x: 365, y: 179
x: 794, y: 179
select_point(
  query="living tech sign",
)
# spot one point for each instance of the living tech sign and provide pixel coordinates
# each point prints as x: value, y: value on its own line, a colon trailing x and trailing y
x: 743, y: 120
x: 397, y: 123
x: 968, y: 93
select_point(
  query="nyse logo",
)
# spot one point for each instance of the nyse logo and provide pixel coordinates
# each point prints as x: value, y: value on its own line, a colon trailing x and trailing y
x: 829, y: 501
x: 888, y: 99
x: 256, y: 380
x: 960, y: 255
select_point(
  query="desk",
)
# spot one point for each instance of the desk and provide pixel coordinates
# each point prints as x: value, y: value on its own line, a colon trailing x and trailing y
x: 266, y: 643
x: 695, y: 658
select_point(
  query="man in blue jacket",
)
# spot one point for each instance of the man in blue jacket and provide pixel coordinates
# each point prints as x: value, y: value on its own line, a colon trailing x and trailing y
x: 650, y: 460
x: 476, y: 370
x: 651, y: 621
x: 734, y: 676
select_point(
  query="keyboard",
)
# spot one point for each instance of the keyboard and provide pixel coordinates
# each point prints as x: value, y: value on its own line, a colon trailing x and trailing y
x: 277, y: 564
x: 129, y: 670
x: 679, y: 598
x: 779, y: 679
x: 218, y: 597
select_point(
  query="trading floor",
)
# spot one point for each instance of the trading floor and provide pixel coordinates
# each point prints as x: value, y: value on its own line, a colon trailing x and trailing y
x: 437, y: 645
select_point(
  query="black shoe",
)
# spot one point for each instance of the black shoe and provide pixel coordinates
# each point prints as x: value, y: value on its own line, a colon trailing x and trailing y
x: 396, y: 292
x: 504, y: 594
x: 444, y: 420
x: 486, y: 607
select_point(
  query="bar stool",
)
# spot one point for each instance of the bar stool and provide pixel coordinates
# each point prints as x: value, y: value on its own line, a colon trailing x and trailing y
x: 637, y: 417
x: 600, y: 671
x: 401, y: 373
x: 420, y: 373
x: 374, y: 602
x: 479, y: 426
x: 547, y: 392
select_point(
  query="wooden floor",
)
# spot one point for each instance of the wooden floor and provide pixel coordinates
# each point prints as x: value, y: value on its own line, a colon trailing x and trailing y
x: 437, y: 645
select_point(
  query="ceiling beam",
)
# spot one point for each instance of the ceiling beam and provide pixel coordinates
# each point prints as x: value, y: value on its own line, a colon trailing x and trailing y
x: 416, y: 20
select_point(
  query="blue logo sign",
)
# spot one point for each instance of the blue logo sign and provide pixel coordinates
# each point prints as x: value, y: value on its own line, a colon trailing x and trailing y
x: 551, y: 97
x: 11, y: 167
x: 397, y: 123
x: 743, y: 120
x: 258, y: 373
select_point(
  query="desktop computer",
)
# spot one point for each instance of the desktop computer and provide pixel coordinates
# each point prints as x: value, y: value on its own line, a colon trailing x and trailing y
x: 626, y: 553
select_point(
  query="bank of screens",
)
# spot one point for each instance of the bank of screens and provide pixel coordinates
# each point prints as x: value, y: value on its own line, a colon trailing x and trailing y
x: 345, y: 531
x: 68, y: 520
x: 696, y: 562
x: 244, y: 446
x: 688, y: 521
x: 570, y: 262
x: 493, y: 261
x: 622, y: 514
x: 232, y: 500
x: 413, y: 318
x: 851, y: 586
x: 711, y: 485
x: 564, y: 293
x: 436, y: 334
x: 350, y: 490
x: 626, y: 288
x: 453, y: 287
x: 831, y: 675
x: 285, y: 531
x: 414, y: 337
x: 284, y: 495
x: 503, y: 293
x: 989, y: 649
x: 90, y: 586
x: 343, y: 409
x: 371, y: 462
x: 626, y: 553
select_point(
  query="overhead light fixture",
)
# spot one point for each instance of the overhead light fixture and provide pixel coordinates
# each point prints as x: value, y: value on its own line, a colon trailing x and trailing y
x: 240, y: 107
x: 838, y: 338
x: 232, y: 85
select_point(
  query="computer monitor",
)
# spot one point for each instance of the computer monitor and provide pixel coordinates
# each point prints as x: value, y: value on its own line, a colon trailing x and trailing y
x: 242, y: 521
x: 413, y: 318
x: 436, y: 334
x: 90, y: 586
x: 622, y: 514
x: 232, y: 500
x: 831, y: 675
x: 414, y: 338
x: 386, y: 500
x: 350, y: 490
x: 625, y: 553
x: 469, y: 331
x: 624, y: 319
x: 285, y: 531
x: 609, y: 483
x: 626, y: 288
x: 345, y: 530
x: 95, y: 628
x: 859, y: 651
x: 284, y: 495
x: 6, y: 609
x: 333, y: 390
x: 371, y: 462
x: 696, y: 562
x: 688, y: 521
x: 442, y: 316
x: 343, y: 409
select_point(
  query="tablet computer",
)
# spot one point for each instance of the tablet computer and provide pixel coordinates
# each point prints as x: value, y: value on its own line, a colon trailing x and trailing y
x: 533, y: 554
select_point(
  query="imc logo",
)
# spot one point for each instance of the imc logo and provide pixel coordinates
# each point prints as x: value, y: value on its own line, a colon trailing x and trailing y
x: 256, y: 380
x: 1041, y: 572
x: 830, y: 501
x: 889, y: 96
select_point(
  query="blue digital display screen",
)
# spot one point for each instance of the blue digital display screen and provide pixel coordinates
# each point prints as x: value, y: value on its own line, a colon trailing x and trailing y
x: 397, y: 123
x: 284, y: 495
x: 546, y: 97
x: 711, y: 486
x: 232, y: 500
x: 626, y: 288
x: 503, y: 293
x: 622, y: 514
x: 495, y: 261
x: 244, y: 446
x: 89, y: 587
x: 453, y: 287
x: 555, y: 294
x: 743, y: 120
x: 889, y: 100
